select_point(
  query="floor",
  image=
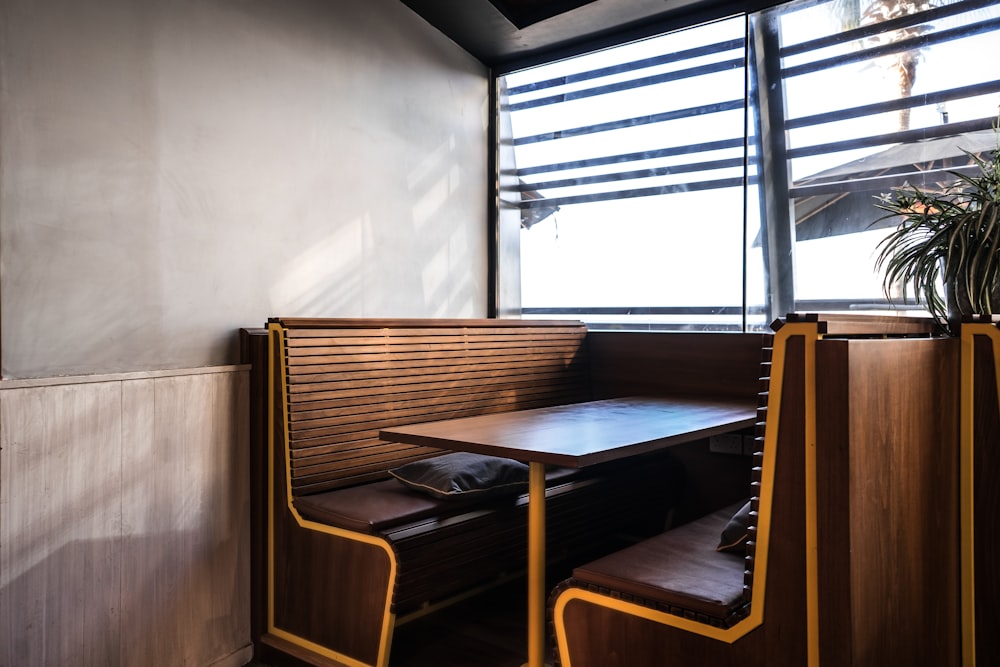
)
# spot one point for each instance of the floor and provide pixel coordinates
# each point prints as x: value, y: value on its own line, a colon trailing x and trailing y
x: 488, y: 630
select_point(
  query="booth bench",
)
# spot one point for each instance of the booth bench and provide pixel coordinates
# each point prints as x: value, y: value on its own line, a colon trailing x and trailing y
x: 850, y: 549
x: 346, y: 552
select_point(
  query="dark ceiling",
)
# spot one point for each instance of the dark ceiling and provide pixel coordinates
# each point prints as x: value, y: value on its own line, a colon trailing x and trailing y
x: 509, y: 32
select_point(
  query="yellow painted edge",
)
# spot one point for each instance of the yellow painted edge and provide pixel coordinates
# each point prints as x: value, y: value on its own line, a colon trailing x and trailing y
x: 536, y: 564
x: 811, y: 503
x: 967, y: 477
x: 966, y: 492
x: 728, y: 635
x: 756, y: 617
x: 270, y: 473
x: 276, y: 332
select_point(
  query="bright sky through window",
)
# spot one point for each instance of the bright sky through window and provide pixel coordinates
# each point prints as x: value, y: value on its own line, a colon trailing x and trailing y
x: 641, y: 162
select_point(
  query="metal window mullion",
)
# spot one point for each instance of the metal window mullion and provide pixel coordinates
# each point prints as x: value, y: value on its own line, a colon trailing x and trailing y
x: 777, y: 218
x: 637, y: 192
x: 632, y: 84
x: 645, y: 63
x: 912, y: 44
x: 974, y: 90
x: 864, y: 32
x: 705, y: 109
x: 906, y: 136
x: 858, y: 183
x: 671, y: 170
x: 686, y: 149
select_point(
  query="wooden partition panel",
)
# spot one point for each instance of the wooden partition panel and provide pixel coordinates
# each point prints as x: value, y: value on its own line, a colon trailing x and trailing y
x: 659, y: 362
x: 986, y: 502
x: 654, y: 362
x: 887, y: 480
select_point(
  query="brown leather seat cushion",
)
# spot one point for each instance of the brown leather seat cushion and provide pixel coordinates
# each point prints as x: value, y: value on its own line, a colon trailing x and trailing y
x: 376, y: 506
x: 680, y: 568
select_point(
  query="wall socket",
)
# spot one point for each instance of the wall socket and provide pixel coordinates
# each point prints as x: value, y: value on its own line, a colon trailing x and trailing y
x: 731, y: 443
x: 727, y: 443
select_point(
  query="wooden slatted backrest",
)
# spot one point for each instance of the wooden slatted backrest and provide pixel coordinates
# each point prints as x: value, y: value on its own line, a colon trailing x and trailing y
x: 344, y: 380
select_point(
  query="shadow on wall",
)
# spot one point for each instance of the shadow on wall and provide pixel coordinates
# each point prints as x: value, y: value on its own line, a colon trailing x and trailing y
x: 135, y: 601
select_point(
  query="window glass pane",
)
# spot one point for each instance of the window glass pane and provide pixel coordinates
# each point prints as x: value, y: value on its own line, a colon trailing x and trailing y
x: 633, y: 165
x: 721, y: 176
x: 903, y: 88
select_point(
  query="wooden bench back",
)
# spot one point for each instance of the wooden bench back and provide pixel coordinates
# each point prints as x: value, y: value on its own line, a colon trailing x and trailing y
x: 344, y: 380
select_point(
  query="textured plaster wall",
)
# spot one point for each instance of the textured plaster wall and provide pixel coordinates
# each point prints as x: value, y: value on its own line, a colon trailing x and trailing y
x: 172, y: 171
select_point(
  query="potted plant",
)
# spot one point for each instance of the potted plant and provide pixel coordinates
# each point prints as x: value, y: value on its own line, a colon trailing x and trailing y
x: 950, y: 239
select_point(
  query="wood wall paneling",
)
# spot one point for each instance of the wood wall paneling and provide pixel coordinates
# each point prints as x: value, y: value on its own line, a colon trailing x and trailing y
x: 630, y: 362
x: 124, y: 522
x: 887, y: 462
x: 60, y: 525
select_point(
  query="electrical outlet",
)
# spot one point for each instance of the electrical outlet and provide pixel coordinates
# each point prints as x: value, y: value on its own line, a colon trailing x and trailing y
x: 728, y: 443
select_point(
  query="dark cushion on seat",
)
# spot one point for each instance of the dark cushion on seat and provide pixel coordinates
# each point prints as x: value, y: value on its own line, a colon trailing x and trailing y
x: 679, y: 568
x: 462, y: 474
x: 737, y: 531
x: 376, y: 506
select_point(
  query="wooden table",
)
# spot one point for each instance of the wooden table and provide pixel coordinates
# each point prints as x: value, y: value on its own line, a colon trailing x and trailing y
x: 576, y: 435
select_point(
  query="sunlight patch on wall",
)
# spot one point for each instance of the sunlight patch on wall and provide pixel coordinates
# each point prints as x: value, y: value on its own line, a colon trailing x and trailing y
x: 437, y: 176
x: 324, y: 275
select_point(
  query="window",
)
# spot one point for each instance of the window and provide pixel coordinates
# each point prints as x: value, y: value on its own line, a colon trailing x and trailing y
x: 721, y: 176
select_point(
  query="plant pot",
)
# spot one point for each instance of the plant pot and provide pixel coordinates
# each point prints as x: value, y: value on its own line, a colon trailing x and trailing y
x: 960, y: 308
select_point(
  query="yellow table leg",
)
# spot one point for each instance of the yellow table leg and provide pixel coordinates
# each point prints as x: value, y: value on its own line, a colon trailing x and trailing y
x: 536, y: 565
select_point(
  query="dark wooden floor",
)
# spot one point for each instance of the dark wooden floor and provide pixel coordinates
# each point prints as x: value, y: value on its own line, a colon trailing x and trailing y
x: 488, y: 630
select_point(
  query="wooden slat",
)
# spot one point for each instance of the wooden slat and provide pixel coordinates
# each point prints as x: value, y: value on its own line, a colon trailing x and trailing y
x: 429, y: 358
x: 313, y: 437
x: 381, y: 461
x: 402, y: 367
x: 375, y: 420
x: 400, y: 383
x: 422, y: 348
x: 350, y: 448
x: 446, y: 392
x: 414, y: 338
x: 361, y: 405
x: 366, y: 403
x: 305, y: 327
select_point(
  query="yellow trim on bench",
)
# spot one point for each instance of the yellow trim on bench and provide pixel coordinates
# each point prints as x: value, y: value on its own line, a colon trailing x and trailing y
x: 276, y: 334
x: 809, y: 330
x: 967, y: 476
x: 811, y: 501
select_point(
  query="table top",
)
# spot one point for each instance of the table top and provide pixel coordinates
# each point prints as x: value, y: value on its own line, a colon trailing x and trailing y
x: 582, y: 434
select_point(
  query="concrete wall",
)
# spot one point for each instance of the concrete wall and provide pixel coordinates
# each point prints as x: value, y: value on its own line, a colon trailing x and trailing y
x: 172, y: 171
